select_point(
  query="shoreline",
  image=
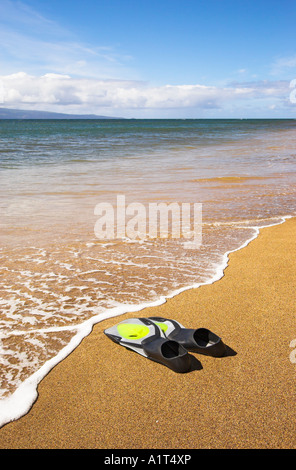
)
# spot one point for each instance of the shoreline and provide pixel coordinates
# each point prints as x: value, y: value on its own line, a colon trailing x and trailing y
x: 111, y: 379
x: 20, y: 402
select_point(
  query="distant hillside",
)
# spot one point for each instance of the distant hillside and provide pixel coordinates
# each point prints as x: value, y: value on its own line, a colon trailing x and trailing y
x: 6, y: 113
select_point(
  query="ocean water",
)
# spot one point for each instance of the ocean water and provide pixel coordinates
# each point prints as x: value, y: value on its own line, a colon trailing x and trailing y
x: 57, y: 278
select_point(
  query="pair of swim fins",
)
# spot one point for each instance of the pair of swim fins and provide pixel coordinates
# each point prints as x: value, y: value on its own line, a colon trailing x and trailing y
x: 166, y: 341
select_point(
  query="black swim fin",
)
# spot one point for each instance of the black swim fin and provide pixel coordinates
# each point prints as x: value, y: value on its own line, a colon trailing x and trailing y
x: 146, y: 338
x: 200, y: 340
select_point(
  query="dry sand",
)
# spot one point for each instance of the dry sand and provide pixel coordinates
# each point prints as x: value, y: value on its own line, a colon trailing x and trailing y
x: 104, y: 396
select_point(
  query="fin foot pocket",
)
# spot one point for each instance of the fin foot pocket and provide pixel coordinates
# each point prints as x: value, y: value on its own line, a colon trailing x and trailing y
x: 200, y: 340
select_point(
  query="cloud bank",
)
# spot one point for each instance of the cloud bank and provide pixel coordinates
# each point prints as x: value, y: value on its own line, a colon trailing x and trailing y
x: 56, y: 92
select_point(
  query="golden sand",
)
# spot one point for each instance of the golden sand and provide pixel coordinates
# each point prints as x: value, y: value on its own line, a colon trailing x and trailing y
x: 104, y: 396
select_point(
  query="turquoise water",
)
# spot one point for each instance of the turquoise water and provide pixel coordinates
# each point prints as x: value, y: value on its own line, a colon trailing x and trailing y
x: 55, y: 273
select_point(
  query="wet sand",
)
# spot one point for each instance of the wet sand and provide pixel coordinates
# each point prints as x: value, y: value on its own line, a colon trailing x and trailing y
x: 106, y: 397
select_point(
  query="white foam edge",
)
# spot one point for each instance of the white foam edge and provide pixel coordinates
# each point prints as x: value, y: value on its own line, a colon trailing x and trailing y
x: 21, y: 401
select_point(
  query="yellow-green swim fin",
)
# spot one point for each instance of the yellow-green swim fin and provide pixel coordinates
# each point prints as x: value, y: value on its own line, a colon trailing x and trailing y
x: 146, y: 338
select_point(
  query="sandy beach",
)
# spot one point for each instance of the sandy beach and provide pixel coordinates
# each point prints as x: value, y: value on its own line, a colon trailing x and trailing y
x: 103, y: 396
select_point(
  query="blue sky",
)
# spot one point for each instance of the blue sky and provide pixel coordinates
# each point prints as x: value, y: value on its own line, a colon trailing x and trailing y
x: 165, y: 58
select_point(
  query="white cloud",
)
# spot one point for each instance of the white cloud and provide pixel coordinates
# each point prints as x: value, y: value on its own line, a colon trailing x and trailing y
x: 57, y: 92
